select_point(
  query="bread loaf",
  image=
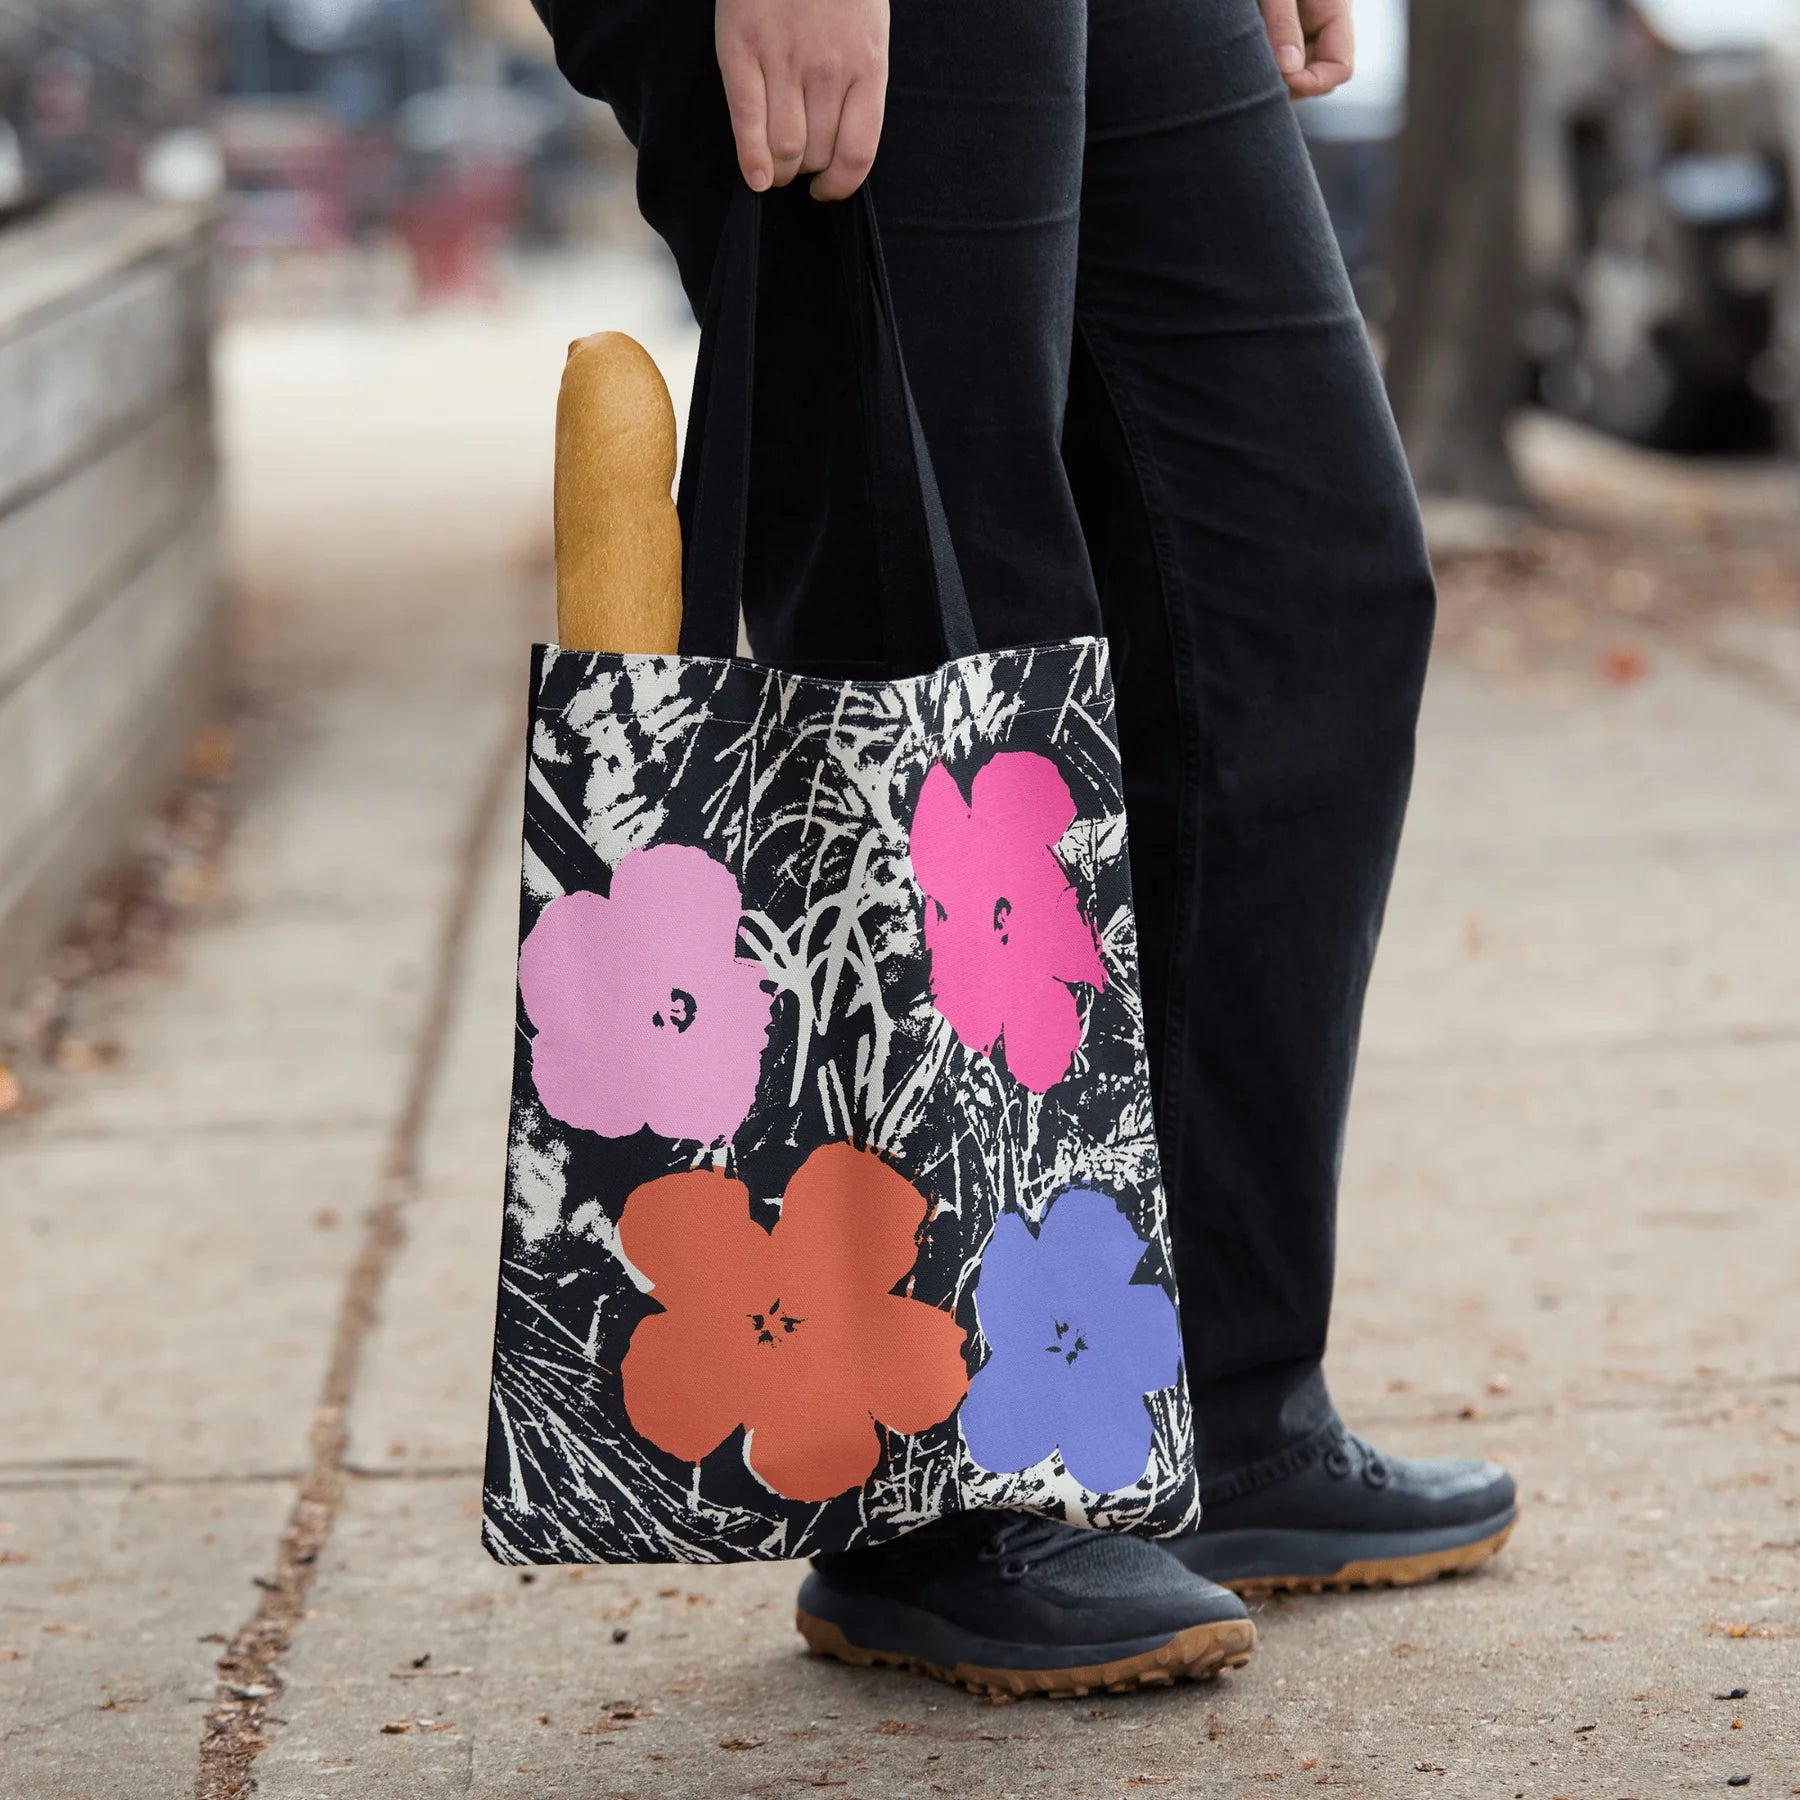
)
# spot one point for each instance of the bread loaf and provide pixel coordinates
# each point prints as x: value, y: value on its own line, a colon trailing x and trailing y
x: 618, y: 543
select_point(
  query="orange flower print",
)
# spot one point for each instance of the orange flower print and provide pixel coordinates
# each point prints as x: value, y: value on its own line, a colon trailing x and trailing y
x: 796, y: 1332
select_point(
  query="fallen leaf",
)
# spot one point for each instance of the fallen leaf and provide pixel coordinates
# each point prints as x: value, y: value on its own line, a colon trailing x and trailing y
x: 740, y: 1743
x: 1623, y: 666
x: 213, y: 753
x: 81, y: 1056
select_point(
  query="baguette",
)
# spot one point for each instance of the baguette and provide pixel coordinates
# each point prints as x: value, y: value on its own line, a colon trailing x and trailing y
x: 618, y: 542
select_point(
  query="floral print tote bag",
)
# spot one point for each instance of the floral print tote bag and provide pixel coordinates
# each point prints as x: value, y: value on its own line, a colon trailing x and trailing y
x: 833, y: 1200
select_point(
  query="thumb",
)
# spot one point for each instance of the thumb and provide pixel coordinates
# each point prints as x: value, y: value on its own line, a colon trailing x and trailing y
x: 1286, y: 39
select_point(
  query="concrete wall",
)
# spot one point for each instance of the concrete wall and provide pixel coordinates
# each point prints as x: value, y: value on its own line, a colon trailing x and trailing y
x: 110, y: 614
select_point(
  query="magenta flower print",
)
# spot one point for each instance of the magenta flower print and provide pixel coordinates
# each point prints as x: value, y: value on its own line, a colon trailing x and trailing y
x: 1003, y: 924
x: 645, y: 1013
x: 1076, y: 1345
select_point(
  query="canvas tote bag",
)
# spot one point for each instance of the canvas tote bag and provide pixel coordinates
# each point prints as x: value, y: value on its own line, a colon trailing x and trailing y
x: 833, y: 1200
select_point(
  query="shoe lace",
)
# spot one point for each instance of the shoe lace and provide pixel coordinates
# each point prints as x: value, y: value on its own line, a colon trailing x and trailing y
x: 1023, y: 1541
x: 1352, y: 1453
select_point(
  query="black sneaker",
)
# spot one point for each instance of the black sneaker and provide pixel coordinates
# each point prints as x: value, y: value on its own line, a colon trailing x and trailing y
x: 1353, y: 1518
x: 1005, y: 1605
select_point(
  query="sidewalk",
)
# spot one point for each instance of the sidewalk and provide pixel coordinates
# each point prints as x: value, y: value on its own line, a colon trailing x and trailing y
x: 246, y: 1332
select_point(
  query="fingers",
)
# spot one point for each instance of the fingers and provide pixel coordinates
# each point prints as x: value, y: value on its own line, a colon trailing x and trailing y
x: 748, y: 102
x: 1331, y: 52
x: 853, y: 149
x: 788, y: 131
x: 1286, y: 38
x: 806, y: 83
x: 824, y: 104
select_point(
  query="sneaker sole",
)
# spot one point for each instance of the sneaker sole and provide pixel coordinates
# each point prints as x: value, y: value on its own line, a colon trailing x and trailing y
x: 1196, y: 1654
x: 1378, y: 1571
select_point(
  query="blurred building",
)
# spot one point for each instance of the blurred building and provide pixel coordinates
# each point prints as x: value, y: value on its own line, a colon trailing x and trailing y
x: 85, y: 84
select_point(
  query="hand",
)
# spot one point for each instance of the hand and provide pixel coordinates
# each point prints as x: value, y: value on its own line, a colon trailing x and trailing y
x: 806, y: 81
x: 1314, y: 43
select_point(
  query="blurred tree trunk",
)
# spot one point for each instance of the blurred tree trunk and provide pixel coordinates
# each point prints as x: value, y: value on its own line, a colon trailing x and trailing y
x: 1454, y: 369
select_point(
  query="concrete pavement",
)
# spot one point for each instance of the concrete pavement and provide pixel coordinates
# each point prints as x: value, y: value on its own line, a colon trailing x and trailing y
x: 251, y: 1265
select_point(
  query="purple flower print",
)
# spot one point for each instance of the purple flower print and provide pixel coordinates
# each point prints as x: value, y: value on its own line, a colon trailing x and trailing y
x: 645, y: 1013
x: 1076, y: 1345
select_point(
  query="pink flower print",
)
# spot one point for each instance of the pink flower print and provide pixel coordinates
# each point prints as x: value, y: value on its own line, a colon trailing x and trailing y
x: 1002, y: 922
x: 645, y: 1013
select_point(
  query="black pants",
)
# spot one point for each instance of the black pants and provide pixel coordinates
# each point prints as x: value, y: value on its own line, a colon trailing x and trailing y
x: 1153, y: 410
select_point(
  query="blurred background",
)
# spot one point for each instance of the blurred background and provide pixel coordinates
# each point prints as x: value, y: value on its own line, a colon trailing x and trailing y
x: 1572, y: 226
x: 285, y: 290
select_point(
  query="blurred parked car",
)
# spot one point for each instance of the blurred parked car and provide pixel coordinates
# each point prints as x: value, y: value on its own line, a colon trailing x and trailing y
x: 1658, y: 215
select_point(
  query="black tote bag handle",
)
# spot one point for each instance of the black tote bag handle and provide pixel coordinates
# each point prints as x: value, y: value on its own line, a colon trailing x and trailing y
x: 924, y: 611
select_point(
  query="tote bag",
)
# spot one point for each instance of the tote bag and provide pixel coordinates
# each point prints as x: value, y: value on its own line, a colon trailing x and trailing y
x: 833, y: 1201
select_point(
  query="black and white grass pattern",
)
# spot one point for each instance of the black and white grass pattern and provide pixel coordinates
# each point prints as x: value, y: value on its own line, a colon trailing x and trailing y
x: 805, y: 789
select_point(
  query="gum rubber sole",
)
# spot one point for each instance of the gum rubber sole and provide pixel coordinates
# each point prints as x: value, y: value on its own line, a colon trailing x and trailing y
x: 1195, y: 1654
x: 1378, y: 1571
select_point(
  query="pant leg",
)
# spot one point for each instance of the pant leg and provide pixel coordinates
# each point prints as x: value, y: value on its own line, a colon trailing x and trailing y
x: 1264, y: 583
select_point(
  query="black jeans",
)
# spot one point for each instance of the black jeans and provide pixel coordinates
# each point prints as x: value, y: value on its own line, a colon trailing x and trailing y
x: 1153, y: 411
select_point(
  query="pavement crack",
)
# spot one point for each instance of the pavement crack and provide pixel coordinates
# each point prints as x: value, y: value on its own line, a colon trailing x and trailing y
x: 235, y: 1729
x: 74, y: 1477
x: 414, y: 1472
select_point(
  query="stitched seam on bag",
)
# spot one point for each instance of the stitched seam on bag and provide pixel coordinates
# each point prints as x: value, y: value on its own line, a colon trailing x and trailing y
x: 825, y: 727
x: 904, y: 729
x: 1088, y: 644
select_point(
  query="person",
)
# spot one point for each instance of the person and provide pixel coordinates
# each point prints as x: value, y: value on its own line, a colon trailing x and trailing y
x: 1154, y: 412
